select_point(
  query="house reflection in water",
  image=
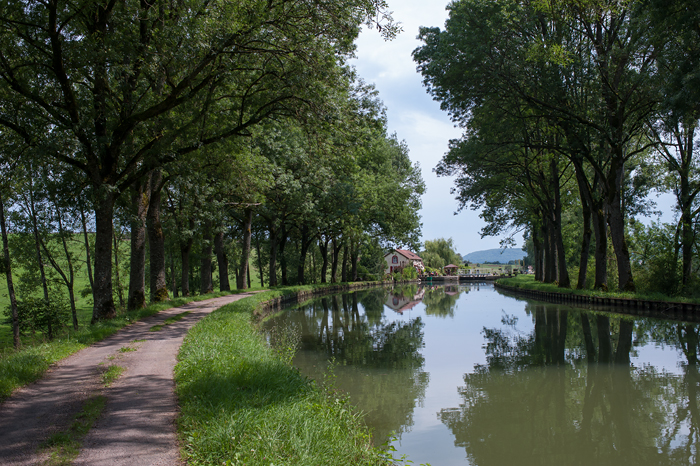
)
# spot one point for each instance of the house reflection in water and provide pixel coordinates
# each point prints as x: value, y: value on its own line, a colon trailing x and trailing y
x: 401, y: 301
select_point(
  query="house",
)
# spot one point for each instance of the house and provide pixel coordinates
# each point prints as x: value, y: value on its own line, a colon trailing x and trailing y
x: 400, y: 258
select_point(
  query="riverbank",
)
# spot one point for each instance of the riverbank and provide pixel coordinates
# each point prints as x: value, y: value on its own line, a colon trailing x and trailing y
x: 629, y: 303
x: 242, y: 402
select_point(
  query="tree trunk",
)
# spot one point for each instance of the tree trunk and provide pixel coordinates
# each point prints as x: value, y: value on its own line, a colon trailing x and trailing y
x: 616, y: 221
x: 323, y: 247
x: 37, y: 245
x: 205, y: 284
x: 185, y: 249
x: 88, y: 258
x: 173, y: 281
x: 260, y: 262
x: 245, y: 250
x: 344, y: 267
x: 334, y: 263
x: 273, y: 253
x: 585, y: 244
x: 563, y: 276
x: 305, y: 242
x: 120, y: 288
x: 354, y: 257
x: 8, y: 276
x: 283, y: 258
x: 549, y: 253
x: 537, y: 246
x: 156, y: 240
x: 70, y: 280
x: 222, y: 262
x: 103, y: 302
x: 137, y: 260
x: 600, y: 254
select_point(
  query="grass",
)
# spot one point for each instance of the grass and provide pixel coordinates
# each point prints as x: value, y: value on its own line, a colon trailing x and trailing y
x: 528, y: 282
x: 18, y: 368
x: 111, y: 374
x: 168, y: 321
x: 242, y: 403
x: 63, y: 447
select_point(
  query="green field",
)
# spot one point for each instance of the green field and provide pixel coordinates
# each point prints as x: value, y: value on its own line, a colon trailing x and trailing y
x: 82, y: 283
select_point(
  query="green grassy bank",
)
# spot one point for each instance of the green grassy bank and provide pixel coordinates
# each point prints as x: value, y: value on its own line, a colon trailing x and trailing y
x: 527, y: 282
x: 243, y: 403
x: 21, y: 367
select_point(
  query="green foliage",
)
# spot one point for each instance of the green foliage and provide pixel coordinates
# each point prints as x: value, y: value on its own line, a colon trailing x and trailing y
x: 39, y: 315
x: 439, y: 253
x: 409, y: 273
x: 657, y: 265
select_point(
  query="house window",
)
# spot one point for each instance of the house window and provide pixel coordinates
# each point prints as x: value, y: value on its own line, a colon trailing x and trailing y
x: 394, y: 260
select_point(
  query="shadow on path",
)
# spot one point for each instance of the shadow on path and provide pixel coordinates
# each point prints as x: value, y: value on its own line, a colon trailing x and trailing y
x: 137, y: 426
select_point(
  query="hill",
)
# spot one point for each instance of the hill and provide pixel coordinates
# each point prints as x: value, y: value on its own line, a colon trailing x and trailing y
x: 494, y: 255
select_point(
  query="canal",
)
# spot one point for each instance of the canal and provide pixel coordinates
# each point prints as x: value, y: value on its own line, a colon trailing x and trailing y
x: 467, y: 375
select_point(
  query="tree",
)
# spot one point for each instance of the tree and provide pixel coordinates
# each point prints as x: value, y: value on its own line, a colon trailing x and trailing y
x: 539, y: 56
x: 117, y: 89
x: 439, y: 253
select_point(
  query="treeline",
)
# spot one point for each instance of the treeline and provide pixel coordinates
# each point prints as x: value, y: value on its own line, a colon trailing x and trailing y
x: 573, y: 112
x: 195, y: 132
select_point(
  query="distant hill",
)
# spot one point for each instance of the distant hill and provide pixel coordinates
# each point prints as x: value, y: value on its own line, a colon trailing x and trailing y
x: 494, y: 255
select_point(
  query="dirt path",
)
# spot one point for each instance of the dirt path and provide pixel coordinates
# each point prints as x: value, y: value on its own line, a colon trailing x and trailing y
x: 137, y: 426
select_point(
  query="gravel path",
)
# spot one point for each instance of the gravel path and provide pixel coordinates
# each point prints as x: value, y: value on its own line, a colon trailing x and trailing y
x: 137, y: 426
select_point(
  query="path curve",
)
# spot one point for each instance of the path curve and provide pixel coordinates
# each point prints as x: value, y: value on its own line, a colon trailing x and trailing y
x: 137, y: 426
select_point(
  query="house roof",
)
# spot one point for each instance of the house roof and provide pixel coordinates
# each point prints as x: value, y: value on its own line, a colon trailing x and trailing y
x: 409, y: 255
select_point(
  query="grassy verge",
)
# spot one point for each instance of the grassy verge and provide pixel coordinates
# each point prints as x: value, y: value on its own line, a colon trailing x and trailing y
x: 241, y: 403
x: 528, y: 282
x: 19, y: 368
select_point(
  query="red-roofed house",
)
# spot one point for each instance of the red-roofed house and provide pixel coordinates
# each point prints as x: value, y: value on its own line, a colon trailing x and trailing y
x: 399, y: 258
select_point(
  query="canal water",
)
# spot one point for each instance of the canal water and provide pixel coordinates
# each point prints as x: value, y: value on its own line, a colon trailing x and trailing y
x: 468, y: 375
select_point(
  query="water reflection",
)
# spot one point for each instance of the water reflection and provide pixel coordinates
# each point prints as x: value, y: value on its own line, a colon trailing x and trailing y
x: 545, y: 384
x: 378, y: 361
x: 552, y: 402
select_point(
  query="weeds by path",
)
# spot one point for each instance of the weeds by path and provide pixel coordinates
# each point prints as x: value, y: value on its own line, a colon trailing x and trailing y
x: 63, y: 447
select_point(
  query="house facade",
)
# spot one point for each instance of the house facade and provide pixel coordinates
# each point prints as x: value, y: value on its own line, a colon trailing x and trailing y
x: 400, y: 258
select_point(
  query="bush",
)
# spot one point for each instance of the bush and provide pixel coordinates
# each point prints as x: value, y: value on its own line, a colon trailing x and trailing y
x: 38, y: 314
x: 409, y: 273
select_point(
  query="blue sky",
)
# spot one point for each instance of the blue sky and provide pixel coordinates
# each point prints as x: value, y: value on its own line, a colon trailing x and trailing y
x: 418, y: 120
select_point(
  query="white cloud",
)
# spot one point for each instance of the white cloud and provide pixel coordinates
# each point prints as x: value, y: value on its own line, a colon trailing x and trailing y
x: 418, y: 120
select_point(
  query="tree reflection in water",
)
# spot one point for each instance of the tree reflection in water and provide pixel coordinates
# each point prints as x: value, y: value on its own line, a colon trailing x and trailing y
x: 378, y: 363
x: 567, y: 394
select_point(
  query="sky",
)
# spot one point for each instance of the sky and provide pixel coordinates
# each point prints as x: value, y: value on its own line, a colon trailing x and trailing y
x: 417, y: 119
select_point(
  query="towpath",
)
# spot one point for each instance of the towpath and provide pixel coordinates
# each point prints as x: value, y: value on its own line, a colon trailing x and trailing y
x: 137, y: 426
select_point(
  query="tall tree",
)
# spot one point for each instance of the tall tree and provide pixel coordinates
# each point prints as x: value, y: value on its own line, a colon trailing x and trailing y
x: 117, y: 89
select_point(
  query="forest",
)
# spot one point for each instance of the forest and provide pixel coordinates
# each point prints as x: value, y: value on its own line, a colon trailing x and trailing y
x: 574, y: 115
x: 158, y: 148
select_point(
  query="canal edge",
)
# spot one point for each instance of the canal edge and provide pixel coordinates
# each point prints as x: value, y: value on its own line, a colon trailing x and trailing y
x: 673, y: 310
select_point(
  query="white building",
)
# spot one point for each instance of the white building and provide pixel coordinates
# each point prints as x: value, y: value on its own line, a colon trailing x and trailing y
x: 400, y: 258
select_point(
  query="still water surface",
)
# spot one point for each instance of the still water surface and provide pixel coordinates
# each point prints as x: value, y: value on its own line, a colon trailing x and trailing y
x: 466, y: 375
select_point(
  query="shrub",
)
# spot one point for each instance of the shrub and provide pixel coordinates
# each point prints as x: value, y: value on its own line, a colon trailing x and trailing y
x: 38, y: 314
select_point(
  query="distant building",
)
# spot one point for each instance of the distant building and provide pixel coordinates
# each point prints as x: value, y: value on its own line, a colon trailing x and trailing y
x: 400, y: 258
